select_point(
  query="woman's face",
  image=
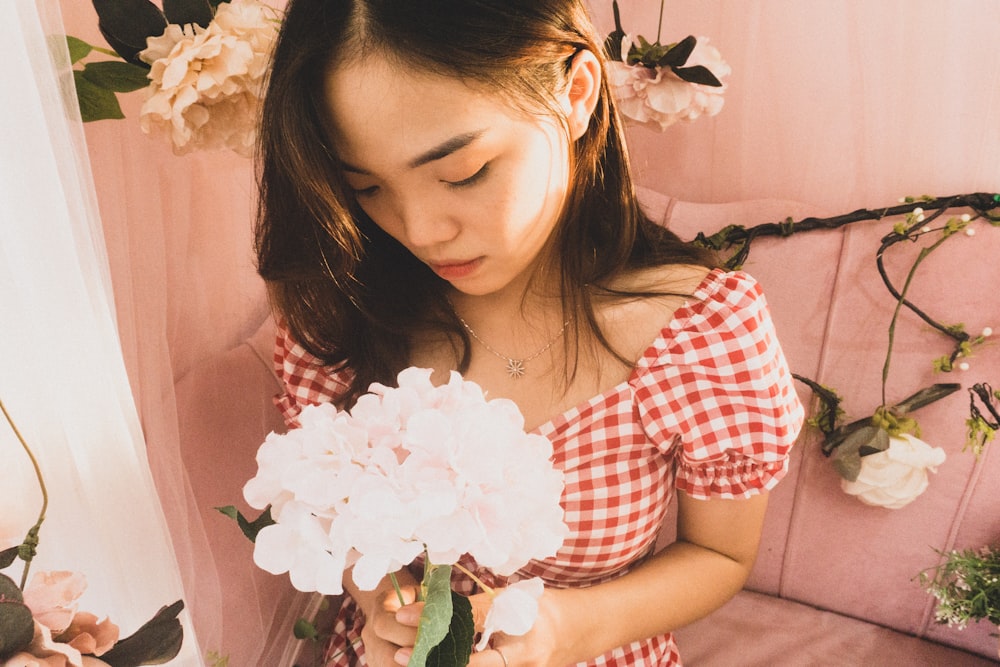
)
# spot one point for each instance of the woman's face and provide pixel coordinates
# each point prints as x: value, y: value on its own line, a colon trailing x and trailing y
x: 470, y: 185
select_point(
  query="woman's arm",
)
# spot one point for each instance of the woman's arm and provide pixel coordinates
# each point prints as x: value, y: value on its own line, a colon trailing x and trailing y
x: 716, y: 546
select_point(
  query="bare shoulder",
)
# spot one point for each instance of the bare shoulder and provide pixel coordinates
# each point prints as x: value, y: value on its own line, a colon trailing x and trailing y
x: 669, y: 279
x: 633, y: 323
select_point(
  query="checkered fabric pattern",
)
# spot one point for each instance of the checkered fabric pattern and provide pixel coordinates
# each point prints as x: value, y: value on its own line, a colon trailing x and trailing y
x: 709, y: 409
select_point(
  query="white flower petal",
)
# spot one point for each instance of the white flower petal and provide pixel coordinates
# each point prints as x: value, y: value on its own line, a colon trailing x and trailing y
x: 513, y: 610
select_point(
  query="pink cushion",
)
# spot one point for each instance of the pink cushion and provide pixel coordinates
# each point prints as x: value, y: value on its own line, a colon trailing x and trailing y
x: 755, y: 629
x: 824, y: 548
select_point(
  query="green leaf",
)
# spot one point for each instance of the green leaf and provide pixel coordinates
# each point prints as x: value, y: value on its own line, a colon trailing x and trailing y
x: 304, y: 629
x: 926, y: 396
x: 436, y: 616
x: 456, y: 647
x: 678, y: 53
x: 879, y: 443
x: 127, y: 24
x: 78, y: 49
x: 847, y: 456
x: 7, y: 556
x: 116, y: 76
x: 9, y: 589
x: 188, y: 11
x: 698, y: 74
x: 157, y: 642
x: 96, y: 103
x: 17, y: 627
x: 249, y: 528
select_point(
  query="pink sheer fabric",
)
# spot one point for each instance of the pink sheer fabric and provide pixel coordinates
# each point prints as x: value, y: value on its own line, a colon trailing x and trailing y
x: 840, y: 105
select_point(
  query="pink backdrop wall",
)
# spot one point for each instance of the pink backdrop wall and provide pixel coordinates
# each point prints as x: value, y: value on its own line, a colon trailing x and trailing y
x: 839, y: 105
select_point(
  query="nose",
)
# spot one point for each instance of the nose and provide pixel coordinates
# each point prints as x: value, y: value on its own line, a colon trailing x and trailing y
x: 425, y: 223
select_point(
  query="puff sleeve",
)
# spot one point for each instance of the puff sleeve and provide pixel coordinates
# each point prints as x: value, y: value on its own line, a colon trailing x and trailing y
x: 716, y: 393
x: 305, y: 379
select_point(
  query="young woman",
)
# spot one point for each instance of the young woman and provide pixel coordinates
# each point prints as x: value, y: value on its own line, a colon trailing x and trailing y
x: 444, y: 184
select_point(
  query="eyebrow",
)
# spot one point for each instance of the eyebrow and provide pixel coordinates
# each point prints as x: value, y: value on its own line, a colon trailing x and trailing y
x: 440, y: 151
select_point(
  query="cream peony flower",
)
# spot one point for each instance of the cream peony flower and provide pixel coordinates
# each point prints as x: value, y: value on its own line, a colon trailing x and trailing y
x: 658, y: 97
x: 206, y: 82
x: 893, y: 478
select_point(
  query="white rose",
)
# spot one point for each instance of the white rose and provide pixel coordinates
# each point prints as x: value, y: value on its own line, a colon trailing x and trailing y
x: 895, y: 477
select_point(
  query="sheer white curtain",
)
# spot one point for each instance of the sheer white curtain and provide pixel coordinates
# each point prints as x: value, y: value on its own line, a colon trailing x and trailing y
x: 62, y: 376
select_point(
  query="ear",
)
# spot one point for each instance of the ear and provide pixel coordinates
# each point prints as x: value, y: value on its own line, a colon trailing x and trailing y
x: 582, y: 92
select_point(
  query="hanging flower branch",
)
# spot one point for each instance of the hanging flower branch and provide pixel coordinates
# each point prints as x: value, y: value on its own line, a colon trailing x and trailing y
x: 881, y: 459
x: 201, y: 62
x: 656, y: 84
x: 40, y: 622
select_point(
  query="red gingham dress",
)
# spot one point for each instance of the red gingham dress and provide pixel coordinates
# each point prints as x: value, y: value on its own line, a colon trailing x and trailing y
x: 709, y: 409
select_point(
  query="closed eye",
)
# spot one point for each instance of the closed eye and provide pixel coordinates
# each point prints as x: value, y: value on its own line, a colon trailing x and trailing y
x: 366, y: 192
x: 465, y: 182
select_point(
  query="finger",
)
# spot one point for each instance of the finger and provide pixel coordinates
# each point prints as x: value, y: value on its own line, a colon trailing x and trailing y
x: 480, y: 608
x: 491, y: 657
x: 402, y: 656
x: 410, y: 614
x: 386, y: 627
x: 391, y: 600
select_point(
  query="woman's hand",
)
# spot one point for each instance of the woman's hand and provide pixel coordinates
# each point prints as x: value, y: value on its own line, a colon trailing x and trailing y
x: 546, y: 644
x: 391, y: 627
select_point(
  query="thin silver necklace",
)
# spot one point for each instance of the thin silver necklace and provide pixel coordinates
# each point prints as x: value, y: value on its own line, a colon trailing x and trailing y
x: 516, y: 368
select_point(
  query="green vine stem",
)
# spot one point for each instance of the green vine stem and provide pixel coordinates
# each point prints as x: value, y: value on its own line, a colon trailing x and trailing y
x: 900, y: 300
x: 984, y: 205
x: 28, y: 548
x: 742, y: 237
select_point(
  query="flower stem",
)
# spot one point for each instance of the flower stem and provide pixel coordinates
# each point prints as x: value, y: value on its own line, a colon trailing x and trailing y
x: 488, y: 589
x: 924, y: 252
x: 399, y: 591
x: 659, y: 27
x: 31, y: 541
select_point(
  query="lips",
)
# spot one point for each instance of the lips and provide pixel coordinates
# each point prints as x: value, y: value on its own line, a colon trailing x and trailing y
x: 453, y: 270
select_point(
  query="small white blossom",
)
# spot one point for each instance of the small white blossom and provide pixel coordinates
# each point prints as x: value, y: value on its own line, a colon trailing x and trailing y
x: 513, y: 610
x: 987, y: 332
x: 964, y: 366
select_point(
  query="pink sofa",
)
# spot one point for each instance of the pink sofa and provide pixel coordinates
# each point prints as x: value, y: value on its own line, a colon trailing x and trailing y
x: 834, y: 583
x: 835, y: 580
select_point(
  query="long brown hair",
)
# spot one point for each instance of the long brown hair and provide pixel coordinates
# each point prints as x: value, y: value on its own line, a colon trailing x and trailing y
x: 349, y: 293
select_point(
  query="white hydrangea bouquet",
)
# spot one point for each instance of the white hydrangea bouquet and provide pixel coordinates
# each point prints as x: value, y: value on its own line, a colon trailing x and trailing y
x: 417, y: 469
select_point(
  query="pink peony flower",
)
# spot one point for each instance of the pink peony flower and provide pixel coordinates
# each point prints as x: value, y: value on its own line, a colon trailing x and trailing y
x: 658, y: 97
x: 52, y: 598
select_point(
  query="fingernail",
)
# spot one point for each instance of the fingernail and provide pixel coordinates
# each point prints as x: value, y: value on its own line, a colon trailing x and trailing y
x: 408, y: 616
x: 402, y: 656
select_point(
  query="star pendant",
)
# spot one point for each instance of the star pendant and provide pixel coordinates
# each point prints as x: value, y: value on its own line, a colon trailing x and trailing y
x: 515, y: 368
